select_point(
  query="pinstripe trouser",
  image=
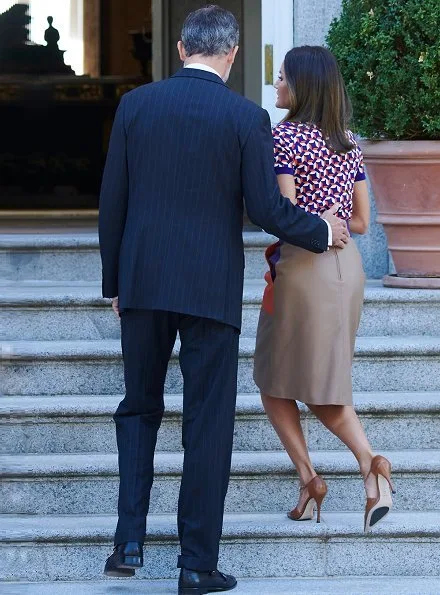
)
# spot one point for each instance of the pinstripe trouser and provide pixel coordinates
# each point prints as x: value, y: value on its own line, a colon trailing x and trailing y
x: 208, y: 361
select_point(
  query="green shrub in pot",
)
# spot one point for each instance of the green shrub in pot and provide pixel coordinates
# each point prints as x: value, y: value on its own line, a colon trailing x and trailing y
x: 389, y: 54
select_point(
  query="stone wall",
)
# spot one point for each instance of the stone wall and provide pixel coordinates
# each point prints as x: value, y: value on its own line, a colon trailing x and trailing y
x: 311, y: 20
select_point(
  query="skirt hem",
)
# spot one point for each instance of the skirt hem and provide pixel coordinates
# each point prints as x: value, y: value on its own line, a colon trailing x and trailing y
x: 306, y: 401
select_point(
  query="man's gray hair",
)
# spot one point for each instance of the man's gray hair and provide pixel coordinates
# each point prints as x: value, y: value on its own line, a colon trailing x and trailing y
x: 210, y: 31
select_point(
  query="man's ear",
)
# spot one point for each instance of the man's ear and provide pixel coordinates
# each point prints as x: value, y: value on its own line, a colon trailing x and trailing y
x: 181, y: 50
x: 232, y: 55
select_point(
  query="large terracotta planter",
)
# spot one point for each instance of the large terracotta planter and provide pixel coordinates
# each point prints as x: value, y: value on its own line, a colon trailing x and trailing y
x: 405, y: 176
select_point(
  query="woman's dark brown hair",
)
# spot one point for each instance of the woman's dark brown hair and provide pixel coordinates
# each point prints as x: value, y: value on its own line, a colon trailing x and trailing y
x: 318, y: 94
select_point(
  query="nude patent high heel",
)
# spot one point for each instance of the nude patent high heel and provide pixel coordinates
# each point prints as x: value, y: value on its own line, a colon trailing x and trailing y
x: 377, y: 508
x: 317, y: 489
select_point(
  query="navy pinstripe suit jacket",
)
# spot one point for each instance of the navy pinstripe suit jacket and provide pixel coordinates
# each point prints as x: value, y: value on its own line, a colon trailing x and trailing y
x: 183, y: 153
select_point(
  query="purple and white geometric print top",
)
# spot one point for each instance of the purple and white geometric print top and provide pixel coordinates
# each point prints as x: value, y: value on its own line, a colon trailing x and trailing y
x: 322, y: 177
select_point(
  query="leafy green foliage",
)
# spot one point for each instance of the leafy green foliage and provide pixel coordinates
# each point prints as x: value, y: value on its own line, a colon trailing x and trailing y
x: 389, y: 54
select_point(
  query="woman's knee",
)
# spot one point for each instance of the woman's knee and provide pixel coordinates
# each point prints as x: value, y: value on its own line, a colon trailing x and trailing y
x: 330, y: 413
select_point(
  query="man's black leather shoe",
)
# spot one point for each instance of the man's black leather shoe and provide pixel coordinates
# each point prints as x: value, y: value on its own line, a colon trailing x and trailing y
x: 125, y: 558
x: 192, y: 582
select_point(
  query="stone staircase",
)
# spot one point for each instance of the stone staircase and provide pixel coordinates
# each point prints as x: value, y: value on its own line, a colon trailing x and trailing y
x: 61, y: 379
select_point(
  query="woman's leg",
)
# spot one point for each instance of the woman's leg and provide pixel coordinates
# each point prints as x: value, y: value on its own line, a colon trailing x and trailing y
x: 285, y: 418
x: 343, y: 422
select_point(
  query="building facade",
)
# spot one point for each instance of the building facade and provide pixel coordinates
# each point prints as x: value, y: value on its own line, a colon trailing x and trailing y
x: 61, y: 370
x: 121, y: 44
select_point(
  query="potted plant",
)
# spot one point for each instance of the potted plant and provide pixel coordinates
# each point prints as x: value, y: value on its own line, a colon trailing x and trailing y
x: 389, y: 53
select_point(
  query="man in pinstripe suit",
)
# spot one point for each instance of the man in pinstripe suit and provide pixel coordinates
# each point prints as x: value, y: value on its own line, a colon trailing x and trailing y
x: 182, y: 155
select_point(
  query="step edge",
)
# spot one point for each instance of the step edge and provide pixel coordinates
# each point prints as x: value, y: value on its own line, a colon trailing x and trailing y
x: 97, y: 406
x: 244, y: 464
x: 83, y: 529
x: 109, y: 349
x: 87, y: 240
x: 17, y: 298
x: 324, y: 584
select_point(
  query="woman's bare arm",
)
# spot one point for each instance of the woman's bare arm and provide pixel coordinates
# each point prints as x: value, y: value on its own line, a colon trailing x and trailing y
x: 286, y: 182
x: 361, y: 208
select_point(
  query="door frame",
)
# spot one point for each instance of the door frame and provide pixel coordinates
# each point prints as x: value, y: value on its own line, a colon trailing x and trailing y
x: 251, y: 45
x: 277, y: 32
x: 160, y: 17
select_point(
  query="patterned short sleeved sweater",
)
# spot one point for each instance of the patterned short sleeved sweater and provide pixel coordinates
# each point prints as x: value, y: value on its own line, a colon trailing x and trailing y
x: 322, y: 177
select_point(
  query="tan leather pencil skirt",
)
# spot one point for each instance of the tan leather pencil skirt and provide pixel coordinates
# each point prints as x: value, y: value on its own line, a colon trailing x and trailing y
x: 305, y: 347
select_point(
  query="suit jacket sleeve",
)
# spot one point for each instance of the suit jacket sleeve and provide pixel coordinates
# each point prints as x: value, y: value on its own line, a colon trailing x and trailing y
x: 265, y: 205
x: 113, y: 202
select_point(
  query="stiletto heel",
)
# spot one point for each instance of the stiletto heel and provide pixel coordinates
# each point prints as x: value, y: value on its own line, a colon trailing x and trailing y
x: 391, y: 484
x: 377, y: 508
x: 318, y: 501
x: 317, y: 489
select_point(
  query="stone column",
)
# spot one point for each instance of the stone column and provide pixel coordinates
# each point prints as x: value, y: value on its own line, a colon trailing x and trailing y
x: 92, y: 37
x: 311, y: 20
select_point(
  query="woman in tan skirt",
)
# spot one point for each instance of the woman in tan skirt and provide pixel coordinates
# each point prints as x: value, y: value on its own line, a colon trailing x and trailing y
x: 313, y: 303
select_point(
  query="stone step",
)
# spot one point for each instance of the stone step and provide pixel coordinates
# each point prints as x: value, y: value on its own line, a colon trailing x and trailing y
x: 75, y: 256
x: 43, y: 311
x: 48, y: 221
x: 260, y: 482
x: 78, y: 424
x: 95, y: 367
x: 385, y: 585
x: 36, y: 548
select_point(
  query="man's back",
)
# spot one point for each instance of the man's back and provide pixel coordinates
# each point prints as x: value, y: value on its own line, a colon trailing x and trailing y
x: 182, y: 244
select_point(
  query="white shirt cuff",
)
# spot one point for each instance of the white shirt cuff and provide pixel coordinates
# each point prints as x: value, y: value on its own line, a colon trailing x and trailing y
x: 330, y: 233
